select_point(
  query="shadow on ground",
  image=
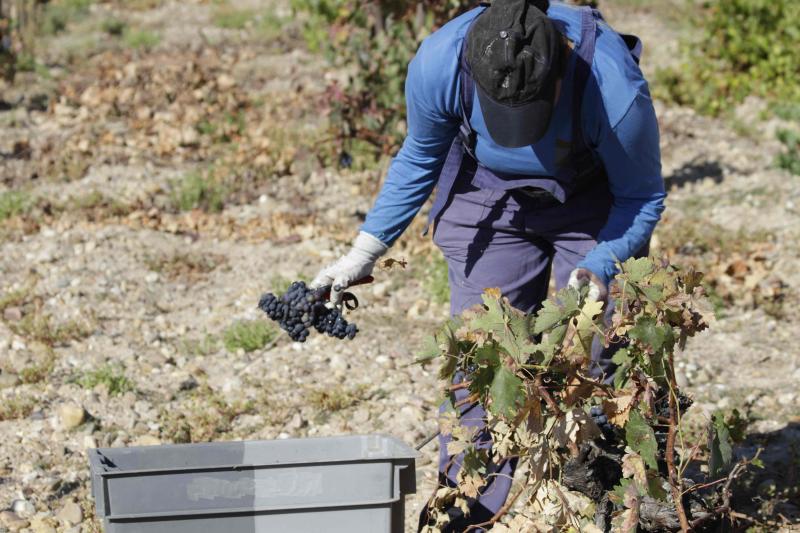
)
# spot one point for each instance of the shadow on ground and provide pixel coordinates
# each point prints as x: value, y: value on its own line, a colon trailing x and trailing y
x: 771, y: 494
x: 694, y: 171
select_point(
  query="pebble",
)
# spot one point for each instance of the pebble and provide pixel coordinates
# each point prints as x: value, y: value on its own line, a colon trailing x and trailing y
x: 12, y: 314
x: 8, y: 380
x: 41, y: 525
x: 147, y: 440
x: 71, y: 415
x: 89, y: 442
x: 23, y: 508
x: 70, y: 514
x: 13, y: 521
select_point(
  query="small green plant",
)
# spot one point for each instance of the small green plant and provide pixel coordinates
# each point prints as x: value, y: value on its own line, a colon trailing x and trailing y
x: 13, y: 203
x: 229, y: 18
x: 748, y: 47
x: 789, y: 159
x: 16, y: 407
x: 16, y: 298
x: 186, y: 265
x: 196, y: 191
x: 436, y: 280
x: 59, y: 13
x: 206, y: 345
x: 249, y: 335
x: 112, y: 376
x: 39, y: 372
x: 337, y: 397
x: 203, y: 416
x: 114, y: 26
x: 141, y: 39
x: 40, y: 327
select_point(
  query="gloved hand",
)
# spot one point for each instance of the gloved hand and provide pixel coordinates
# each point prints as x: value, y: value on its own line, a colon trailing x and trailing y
x: 581, y: 277
x: 357, y: 264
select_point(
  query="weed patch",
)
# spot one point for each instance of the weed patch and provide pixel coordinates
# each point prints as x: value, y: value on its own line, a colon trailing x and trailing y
x: 249, y: 335
x: 39, y: 372
x: 114, y: 26
x: 336, y: 398
x: 60, y: 13
x: 16, y: 407
x: 789, y: 159
x: 189, y: 266
x: 14, y: 203
x: 139, y: 39
x: 112, y: 376
x: 202, y: 416
x: 230, y: 18
x: 206, y: 345
x: 196, y: 191
x: 40, y: 327
x: 747, y: 48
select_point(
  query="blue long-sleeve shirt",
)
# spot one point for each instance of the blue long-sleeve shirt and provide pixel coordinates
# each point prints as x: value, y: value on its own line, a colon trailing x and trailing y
x: 619, y: 124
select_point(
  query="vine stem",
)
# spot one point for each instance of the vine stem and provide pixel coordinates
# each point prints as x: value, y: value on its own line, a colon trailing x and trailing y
x: 674, y: 479
x: 500, y: 513
x: 551, y: 403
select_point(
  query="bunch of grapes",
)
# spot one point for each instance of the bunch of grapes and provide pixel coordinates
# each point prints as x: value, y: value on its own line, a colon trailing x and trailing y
x: 301, y: 308
x: 602, y: 421
x: 663, y: 411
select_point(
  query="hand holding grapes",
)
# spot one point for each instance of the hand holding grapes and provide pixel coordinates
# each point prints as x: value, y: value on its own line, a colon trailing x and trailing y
x: 355, y: 265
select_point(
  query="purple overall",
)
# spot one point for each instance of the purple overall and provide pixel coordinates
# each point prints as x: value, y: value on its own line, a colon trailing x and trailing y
x: 510, y: 232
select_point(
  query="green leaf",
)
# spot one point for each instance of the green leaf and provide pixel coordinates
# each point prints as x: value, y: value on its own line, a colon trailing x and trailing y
x: 655, y: 486
x: 720, y: 445
x: 564, y: 306
x: 649, y: 333
x: 622, y: 356
x: 429, y: 351
x: 548, y: 316
x: 487, y: 355
x: 640, y: 437
x: 506, y: 392
x: 637, y: 269
x: 654, y: 293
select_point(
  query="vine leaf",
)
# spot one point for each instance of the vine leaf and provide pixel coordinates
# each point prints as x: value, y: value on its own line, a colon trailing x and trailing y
x: 618, y: 409
x: 640, y: 437
x: 648, y: 332
x: 553, y: 312
x: 506, y: 392
x: 429, y: 351
x: 508, y: 326
x: 637, y: 270
x: 719, y: 445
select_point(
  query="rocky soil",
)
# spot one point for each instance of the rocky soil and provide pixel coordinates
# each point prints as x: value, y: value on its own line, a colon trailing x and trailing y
x: 115, y: 302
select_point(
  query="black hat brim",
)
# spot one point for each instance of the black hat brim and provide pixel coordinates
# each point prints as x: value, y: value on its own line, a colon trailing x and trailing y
x: 519, y: 125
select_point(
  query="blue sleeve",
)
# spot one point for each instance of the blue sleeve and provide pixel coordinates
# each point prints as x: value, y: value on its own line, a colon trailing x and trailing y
x: 632, y: 158
x: 432, y: 105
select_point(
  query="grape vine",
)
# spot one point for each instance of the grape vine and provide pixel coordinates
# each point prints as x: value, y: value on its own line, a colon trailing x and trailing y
x: 531, y: 374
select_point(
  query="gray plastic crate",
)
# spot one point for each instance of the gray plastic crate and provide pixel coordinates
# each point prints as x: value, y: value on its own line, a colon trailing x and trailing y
x: 338, y: 484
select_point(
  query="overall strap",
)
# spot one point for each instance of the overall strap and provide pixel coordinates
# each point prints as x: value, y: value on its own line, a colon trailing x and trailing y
x: 583, y: 71
x: 468, y: 136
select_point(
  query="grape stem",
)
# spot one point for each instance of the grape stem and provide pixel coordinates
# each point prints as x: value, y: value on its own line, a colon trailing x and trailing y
x: 674, y: 480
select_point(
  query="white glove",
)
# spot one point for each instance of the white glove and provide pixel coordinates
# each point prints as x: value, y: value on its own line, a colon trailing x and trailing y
x: 357, y: 264
x: 581, y: 277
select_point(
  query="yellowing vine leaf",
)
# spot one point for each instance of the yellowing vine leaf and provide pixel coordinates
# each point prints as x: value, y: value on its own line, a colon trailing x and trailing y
x: 618, y: 409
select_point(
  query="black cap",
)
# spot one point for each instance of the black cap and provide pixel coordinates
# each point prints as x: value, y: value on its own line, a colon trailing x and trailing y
x: 514, y: 53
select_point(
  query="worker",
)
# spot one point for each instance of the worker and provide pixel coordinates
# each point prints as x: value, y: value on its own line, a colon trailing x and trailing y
x: 533, y: 121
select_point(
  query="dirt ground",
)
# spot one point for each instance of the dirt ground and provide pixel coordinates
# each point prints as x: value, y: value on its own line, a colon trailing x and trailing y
x: 115, y: 302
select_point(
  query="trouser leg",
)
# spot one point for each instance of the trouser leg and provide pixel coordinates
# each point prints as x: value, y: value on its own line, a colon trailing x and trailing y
x: 484, y: 247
